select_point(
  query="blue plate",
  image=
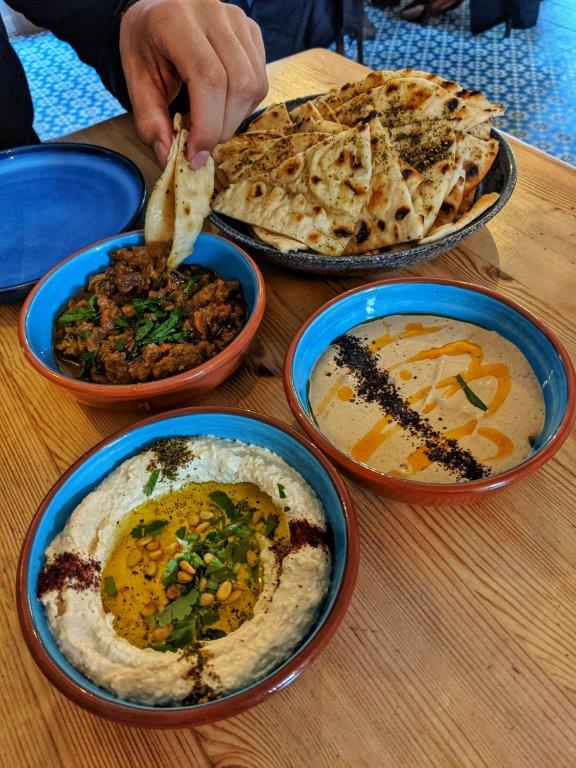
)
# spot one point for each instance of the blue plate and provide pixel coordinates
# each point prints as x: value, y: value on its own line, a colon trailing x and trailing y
x: 55, y: 199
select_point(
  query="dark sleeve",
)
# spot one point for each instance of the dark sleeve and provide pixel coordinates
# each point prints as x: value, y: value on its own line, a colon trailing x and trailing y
x: 91, y: 27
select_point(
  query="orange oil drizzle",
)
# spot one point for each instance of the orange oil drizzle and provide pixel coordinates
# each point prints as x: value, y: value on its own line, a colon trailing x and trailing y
x: 475, y: 370
x: 345, y: 393
x: 378, y: 434
x: 419, y: 460
x: 504, y: 445
x: 405, y: 375
x: 410, y: 330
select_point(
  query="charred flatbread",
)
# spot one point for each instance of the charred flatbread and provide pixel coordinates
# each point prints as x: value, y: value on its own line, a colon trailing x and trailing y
x: 481, y: 205
x: 314, y: 197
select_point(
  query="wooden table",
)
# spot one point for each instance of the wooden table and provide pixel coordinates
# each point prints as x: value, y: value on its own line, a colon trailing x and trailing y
x: 459, y: 648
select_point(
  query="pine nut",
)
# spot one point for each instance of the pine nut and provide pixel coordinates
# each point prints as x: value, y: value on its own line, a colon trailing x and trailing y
x: 256, y: 517
x: 134, y: 558
x: 202, y: 584
x: 156, y: 555
x: 208, y: 558
x: 202, y: 527
x: 154, y: 545
x: 193, y: 519
x: 234, y: 596
x: 185, y: 566
x: 251, y: 558
x: 173, y: 548
x: 206, y: 515
x: 162, y: 633
x: 224, y: 591
x: 148, y: 610
x: 205, y: 599
x: 151, y: 569
x: 143, y: 542
x: 184, y: 578
x: 172, y: 592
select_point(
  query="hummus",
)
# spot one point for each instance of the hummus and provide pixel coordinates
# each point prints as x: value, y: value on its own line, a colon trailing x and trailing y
x: 181, y: 582
x: 428, y: 398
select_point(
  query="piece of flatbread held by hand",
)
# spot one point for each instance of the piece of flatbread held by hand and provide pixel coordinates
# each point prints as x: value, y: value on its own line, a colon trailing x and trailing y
x: 180, y: 200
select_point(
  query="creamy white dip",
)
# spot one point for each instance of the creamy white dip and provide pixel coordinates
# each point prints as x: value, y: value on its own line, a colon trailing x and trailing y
x: 291, y: 596
x: 466, y: 383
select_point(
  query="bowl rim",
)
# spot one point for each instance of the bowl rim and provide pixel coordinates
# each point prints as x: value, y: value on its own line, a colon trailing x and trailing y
x: 159, y: 717
x: 69, y: 146
x: 375, y: 478
x: 164, y: 386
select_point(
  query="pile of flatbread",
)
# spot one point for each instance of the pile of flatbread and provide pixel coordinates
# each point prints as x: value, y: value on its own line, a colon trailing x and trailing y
x: 180, y: 200
x: 394, y: 158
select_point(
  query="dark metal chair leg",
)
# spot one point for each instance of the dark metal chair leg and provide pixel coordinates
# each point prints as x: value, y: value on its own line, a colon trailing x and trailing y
x: 339, y: 19
x: 360, y: 30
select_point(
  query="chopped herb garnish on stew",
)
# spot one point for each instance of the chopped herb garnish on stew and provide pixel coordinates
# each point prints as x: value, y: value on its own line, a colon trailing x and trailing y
x: 281, y: 491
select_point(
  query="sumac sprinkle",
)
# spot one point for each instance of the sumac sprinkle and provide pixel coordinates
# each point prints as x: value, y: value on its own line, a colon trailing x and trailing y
x: 69, y: 569
x: 303, y: 532
x: 376, y: 386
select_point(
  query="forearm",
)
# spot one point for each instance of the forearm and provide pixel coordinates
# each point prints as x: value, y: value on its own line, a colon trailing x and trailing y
x: 91, y: 27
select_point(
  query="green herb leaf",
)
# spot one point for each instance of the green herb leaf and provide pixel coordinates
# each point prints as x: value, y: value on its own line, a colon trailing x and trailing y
x: 181, y: 532
x: 152, y: 480
x: 92, y: 302
x: 192, y: 281
x: 225, y: 503
x: 143, y: 329
x: 121, y: 322
x: 271, y: 525
x: 177, y: 610
x: 84, y: 334
x: 215, y: 565
x: 470, y: 394
x: 195, y: 559
x: 163, y: 332
x: 148, y: 529
x: 170, y: 572
x: 119, y: 345
x: 208, y: 615
x: 110, y: 587
x: 281, y: 491
x: 88, y: 358
x: 78, y: 314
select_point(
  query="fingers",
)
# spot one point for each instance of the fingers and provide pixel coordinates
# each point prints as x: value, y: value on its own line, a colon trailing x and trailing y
x: 150, y: 108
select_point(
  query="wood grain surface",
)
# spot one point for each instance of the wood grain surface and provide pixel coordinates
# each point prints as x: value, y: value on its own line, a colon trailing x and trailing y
x: 459, y: 648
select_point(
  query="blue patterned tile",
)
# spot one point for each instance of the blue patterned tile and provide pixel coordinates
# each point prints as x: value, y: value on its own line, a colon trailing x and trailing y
x: 533, y: 71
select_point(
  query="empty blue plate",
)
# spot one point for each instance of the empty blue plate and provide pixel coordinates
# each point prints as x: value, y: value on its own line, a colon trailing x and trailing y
x: 55, y: 199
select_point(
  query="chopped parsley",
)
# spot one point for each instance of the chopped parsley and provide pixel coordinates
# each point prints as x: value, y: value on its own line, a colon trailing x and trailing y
x: 152, y: 480
x: 177, y: 610
x: 147, y: 529
x: 225, y: 503
x: 271, y: 525
x: 110, y: 587
x: 281, y: 491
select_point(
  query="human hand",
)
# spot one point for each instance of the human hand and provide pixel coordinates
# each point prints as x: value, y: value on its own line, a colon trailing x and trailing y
x: 212, y: 47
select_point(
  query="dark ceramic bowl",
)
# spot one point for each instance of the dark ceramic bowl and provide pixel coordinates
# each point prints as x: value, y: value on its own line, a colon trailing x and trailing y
x: 46, y: 300
x: 462, y: 301
x: 89, y: 471
x: 501, y: 178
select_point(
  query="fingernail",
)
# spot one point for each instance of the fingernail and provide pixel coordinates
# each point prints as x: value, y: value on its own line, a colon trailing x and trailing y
x: 161, y: 152
x: 199, y: 159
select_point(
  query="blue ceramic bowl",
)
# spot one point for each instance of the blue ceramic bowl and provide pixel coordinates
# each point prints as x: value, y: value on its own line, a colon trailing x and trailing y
x: 47, y: 299
x: 93, y: 467
x: 461, y: 301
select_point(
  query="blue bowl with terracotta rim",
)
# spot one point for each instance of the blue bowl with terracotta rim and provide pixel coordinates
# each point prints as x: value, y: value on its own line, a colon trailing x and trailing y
x: 84, y: 476
x: 462, y: 301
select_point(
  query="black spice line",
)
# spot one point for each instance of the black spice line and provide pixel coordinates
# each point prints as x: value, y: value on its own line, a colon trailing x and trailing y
x: 376, y: 386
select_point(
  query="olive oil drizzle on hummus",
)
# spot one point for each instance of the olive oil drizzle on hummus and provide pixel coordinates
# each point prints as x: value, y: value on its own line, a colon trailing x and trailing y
x: 186, y: 566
